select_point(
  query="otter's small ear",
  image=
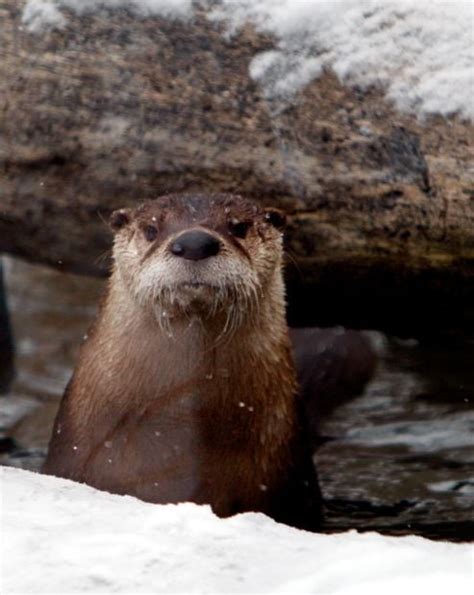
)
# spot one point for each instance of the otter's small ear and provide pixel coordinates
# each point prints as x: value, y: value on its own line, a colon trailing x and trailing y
x: 119, y: 219
x: 275, y: 217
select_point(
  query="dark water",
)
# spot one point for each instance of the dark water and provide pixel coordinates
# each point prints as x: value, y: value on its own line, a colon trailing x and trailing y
x: 398, y: 459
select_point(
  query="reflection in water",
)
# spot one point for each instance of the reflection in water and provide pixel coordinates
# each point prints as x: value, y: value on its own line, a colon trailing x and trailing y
x: 50, y: 313
x: 406, y: 445
x: 398, y: 458
x: 6, y: 342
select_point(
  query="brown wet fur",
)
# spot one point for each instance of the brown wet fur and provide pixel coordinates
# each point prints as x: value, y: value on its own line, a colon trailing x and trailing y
x: 185, y: 389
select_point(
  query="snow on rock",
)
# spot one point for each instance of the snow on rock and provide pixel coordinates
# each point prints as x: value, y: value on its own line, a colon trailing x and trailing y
x: 63, y: 537
x: 420, y: 52
x: 42, y: 15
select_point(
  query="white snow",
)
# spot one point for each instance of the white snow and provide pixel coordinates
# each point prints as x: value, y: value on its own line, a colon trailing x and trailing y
x: 42, y: 15
x: 421, y: 52
x: 63, y: 537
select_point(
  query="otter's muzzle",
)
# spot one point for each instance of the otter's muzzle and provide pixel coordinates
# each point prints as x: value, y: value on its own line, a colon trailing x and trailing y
x: 195, y: 245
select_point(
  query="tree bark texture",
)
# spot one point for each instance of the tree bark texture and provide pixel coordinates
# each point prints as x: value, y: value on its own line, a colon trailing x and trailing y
x: 110, y: 111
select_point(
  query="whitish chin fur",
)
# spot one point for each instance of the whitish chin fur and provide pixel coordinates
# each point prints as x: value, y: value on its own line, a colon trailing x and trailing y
x: 221, y: 310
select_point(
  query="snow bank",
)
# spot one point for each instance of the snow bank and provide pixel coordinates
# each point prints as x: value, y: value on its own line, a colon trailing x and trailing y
x: 62, y: 537
x: 420, y: 52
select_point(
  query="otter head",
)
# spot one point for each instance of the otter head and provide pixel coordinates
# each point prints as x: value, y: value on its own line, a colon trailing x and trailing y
x: 198, y: 255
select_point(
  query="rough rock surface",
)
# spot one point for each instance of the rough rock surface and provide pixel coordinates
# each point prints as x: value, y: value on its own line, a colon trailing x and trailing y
x: 113, y: 109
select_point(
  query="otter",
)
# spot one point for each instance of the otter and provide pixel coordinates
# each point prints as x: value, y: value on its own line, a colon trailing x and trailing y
x: 185, y: 389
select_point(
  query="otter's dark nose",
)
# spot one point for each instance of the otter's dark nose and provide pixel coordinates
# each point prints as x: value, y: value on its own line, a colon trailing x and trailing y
x: 195, y: 245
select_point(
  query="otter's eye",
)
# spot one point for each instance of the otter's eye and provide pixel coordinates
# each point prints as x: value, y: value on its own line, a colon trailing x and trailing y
x: 238, y: 228
x: 119, y: 219
x: 276, y: 218
x: 150, y: 232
